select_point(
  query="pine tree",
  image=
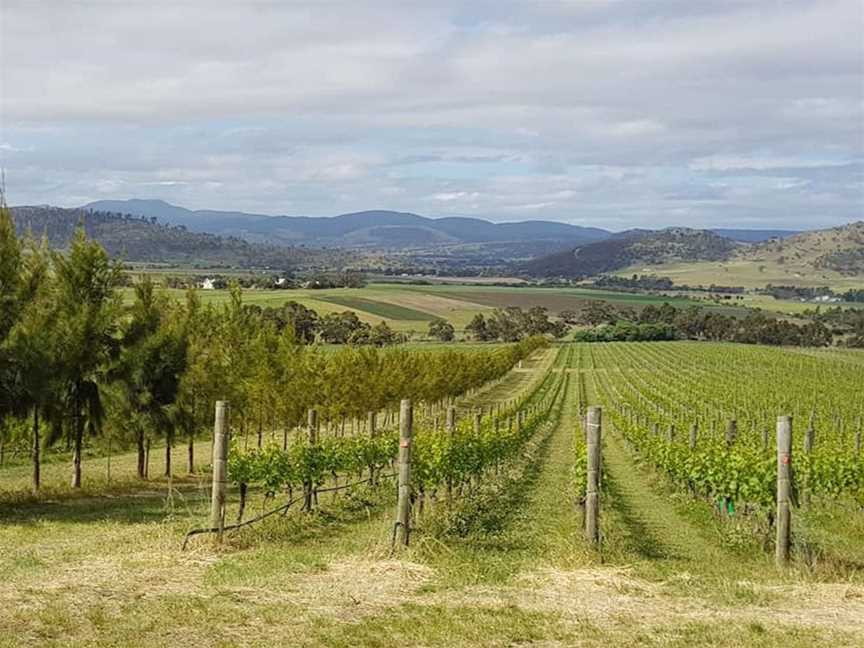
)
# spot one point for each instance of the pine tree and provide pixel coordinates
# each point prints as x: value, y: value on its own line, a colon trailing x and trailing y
x: 88, y: 311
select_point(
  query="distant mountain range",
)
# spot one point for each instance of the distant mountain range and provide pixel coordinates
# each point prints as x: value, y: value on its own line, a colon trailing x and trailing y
x: 140, y: 239
x: 379, y: 229
x: 158, y: 232
x: 435, y: 242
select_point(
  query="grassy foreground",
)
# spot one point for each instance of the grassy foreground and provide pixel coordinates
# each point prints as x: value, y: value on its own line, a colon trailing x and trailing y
x: 105, y: 568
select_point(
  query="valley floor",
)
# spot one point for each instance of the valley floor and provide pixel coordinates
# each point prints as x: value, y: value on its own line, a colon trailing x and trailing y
x: 108, y: 570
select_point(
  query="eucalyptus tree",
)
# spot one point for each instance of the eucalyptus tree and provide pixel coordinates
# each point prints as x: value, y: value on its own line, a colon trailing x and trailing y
x: 88, y: 309
x: 442, y: 329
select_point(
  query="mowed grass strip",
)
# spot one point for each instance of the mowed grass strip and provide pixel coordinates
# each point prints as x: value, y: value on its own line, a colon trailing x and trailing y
x: 381, y: 309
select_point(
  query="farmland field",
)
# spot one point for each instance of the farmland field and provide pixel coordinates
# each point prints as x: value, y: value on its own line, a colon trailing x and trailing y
x: 382, y: 309
x: 409, y: 308
x: 686, y: 553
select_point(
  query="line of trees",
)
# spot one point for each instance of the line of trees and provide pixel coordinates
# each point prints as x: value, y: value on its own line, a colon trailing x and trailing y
x: 666, y: 322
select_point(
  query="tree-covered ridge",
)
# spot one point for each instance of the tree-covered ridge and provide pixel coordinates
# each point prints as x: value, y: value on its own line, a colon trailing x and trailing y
x: 840, y: 249
x: 672, y: 244
x: 141, y: 239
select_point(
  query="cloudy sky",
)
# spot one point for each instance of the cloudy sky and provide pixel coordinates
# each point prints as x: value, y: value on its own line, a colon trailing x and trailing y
x: 609, y: 113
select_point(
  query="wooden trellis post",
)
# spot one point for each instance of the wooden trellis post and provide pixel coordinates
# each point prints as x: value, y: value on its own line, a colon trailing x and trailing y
x: 784, y: 485
x: 220, y: 468
x: 403, y: 506
x: 310, y: 499
x: 451, y: 420
x: 731, y: 432
x: 592, y: 493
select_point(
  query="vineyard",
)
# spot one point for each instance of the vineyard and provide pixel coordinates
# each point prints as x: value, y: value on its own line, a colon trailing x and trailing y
x: 433, y: 495
x: 704, y: 416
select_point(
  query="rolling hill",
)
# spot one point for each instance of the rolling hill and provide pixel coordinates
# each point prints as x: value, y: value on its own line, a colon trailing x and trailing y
x: 634, y: 247
x: 831, y: 257
x: 839, y: 249
x: 139, y: 239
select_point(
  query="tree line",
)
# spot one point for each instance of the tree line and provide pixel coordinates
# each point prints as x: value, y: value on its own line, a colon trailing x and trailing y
x: 666, y: 322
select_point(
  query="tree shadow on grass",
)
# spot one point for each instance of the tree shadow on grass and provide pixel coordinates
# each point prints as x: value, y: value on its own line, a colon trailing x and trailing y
x: 148, y: 503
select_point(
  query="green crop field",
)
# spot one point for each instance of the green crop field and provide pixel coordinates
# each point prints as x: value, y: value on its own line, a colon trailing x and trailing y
x: 381, y: 309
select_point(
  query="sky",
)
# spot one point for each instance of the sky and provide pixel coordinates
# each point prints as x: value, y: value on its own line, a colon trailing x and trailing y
x: 610, y: 113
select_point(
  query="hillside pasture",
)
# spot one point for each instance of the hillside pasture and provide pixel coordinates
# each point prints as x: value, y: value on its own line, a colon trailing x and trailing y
x: 747, y: 273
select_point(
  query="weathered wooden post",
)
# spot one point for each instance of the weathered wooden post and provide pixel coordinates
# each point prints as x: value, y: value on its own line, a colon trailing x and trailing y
x: 670, y: 434
x: 312, y: 424
x: 809, y: 442
x: 478, y: 420
x: 731, y: 432
x: 450, y: 421
x: 371, y: 421
x: 220, y: 468
x: 592, y: 492
x: 310, y: 496
x: 784, y: 484
x: 694, y: 434
x: 403, y: 506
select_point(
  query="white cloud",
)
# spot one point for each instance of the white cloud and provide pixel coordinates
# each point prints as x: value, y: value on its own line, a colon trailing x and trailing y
x: 757, y: 162
x: 603, y: 111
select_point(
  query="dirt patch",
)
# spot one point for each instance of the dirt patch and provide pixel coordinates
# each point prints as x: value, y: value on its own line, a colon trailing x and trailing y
x: 612, y: 596
x: 356, y: 588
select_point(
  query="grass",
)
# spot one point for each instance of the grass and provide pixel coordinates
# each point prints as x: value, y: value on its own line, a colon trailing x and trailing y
x: 104, y: 567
